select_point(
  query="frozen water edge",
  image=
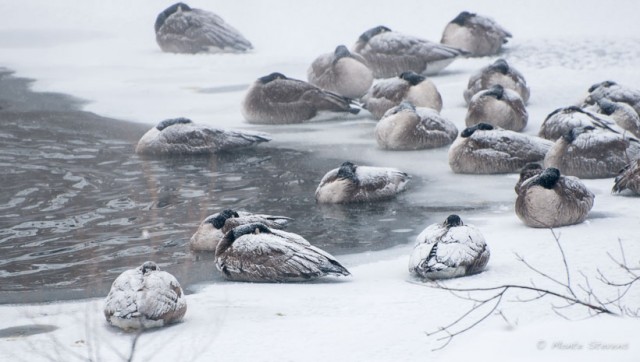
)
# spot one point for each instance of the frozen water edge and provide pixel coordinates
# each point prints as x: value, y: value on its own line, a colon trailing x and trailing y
x: 377, y: 314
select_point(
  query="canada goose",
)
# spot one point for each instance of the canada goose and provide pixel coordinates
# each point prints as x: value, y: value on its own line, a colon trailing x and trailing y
x: 256, y: 253
x: 628, y: 178
x: 389, y: 53
x: 550, y: 200
x: 213, y: 228
x: 613, y: 92
x: 406, y: 127
x: 621, y: 113
x: 527, y: 172
x: 499, y: 72
x: 352, y: 183
x: 182, y: 29
x: 497, y: 106
x: 276, y: 99
x: 341, y: 72
x: 449, y: 250
x: 484, y: 149
x: 144, y: 297
x: 562, y: 120
x: 180, y: 136
x: 476, y: 34
x: 408, y: 86
x: 586, y: 152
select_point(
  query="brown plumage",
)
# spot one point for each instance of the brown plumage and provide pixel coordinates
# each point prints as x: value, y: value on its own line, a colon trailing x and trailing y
x: 551, y: 200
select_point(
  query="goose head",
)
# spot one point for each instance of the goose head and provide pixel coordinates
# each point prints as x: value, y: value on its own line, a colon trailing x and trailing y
x: 347, y: 171
x: 501, y: 66
x: 171, y: 122
x: 548, y: 178
x: 412, y: 77
x: 496, y: 91
x: 605, y: 84
x: 219, y: 219
x: 575, y: 132
x: 148, y: 266
x: 452, y: 221
x: 175, y: 8
x: 462, y: 18
x: 367, y: 35
x: 467, y: 132
x: 271, y: 77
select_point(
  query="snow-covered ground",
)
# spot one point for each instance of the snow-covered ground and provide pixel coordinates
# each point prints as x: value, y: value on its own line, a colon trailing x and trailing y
x: 105, y: 52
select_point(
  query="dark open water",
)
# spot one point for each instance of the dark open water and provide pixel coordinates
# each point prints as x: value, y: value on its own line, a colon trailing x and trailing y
x: 77, y: 206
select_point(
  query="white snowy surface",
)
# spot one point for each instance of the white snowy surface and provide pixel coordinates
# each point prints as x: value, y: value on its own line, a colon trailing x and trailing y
x: 105, y: 52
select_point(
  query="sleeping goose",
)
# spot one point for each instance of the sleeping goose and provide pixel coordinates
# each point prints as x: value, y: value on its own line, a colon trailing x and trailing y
x: 499, y: 72
x: 389, y: 53
x: 256, y: 253
x: 587, y: 152
x: 562, y: 120
x: 341, y: 72
x: 213, y: 228
x: 476, y: 34
x: 408, y: 86
x: 276, y: 99
x: 182, y: 29
x: 499, y: 107
x: 449, y: 250
x: 352, y: 183
x: 614, y: 92
x: 180, y: 136
x: 144, y: 297
x: 550, y: 200
x: 484, y: 149
x: 406, y: 127
x: 621, y: 113
x: 628, y: 178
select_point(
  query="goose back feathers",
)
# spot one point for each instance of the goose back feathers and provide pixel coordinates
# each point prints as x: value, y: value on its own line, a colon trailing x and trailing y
x: 256, y: 253
x: 551, y: 200
x: 182, y: 29
x: 448, y: 250
x: 180, y: 136
x: 144, y: 297
x: 276, y: 99
x: 352, y: 183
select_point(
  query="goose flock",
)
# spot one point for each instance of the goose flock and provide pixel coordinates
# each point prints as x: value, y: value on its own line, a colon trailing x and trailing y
x: 385, y: 76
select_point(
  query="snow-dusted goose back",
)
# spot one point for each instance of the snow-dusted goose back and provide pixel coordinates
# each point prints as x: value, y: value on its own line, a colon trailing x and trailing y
x: 561, y: 121
x: 406, y: 127
x: 389, y: 53
x: 352, y: 183
x: 182, y: 29
x: 551, y: 200
x: 213, y: 228
x: 628, y: 178
x: 144, y: 297
x: 276, y: 99
x: 409, y: 86
x: 499, y: 107
x: 180, y: 136
x: 476, y: 34
x: 256, y: 253
x: 483, y: 149
x: 614, y: 92
x: 448, y: 250
x: 499, y: 72
x: 341, y: 72
x: 587, y: 152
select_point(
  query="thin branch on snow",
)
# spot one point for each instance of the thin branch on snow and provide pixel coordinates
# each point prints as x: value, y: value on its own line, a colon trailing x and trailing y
x: 583, y: 296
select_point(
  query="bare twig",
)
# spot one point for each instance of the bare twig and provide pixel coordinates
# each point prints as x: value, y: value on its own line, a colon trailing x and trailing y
x: 592, y: 302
